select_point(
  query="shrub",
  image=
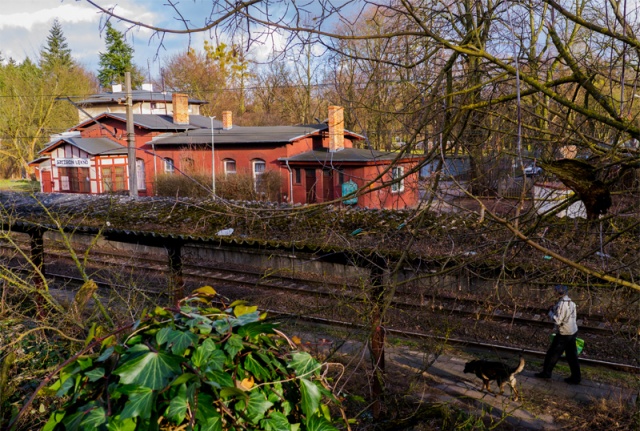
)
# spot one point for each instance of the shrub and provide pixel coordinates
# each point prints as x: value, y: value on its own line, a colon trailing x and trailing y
x: 237, y: 186
x: 243, y: 187
x: 194, y: 185
x: 194, y: 367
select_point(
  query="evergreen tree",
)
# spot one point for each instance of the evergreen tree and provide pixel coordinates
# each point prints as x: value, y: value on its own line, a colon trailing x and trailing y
x: 117, y: 60
x: 56, y: 52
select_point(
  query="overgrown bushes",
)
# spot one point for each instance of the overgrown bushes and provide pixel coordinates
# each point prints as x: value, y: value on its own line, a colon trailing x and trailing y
x: 194, y: 185
x: 237, y: 187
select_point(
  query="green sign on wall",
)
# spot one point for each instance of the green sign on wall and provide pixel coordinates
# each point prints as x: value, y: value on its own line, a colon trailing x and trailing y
x: 348, y: 188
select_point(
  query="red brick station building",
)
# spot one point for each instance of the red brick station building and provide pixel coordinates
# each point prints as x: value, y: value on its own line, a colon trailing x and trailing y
x: 317, y: 162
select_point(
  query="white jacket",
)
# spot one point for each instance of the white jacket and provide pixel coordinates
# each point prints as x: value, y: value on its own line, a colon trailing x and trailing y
x: 563, y: 315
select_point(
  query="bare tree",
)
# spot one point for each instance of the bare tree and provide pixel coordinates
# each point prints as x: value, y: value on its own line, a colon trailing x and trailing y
x: 502, y: 82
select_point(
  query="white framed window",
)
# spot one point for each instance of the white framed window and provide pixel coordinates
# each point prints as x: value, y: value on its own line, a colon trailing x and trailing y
x: 397, y: 174
x: 259, y: 167
x: 140, y: 174
x: 229, y: 167
x: 168, y: 166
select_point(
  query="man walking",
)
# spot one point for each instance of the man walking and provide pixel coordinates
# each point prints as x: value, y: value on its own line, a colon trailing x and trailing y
x: 563, y: 313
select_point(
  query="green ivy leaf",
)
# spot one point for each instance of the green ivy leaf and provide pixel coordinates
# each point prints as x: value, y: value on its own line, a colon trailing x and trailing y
x: 232, y: 391
x: 319, y: 423
x: 310, y: 397
x: 177, y: 409
x: 54, y: 420
x: 65, y: 382
x: 273, y: 363
x: 183, y: 378
x: 150, y: 369
x: 84, y: 362
x: 276, y: 422
x: 204, y: 324
x: 95, y: 374
x: 255, y: 329
x: 171, y: 367
x: 276, y: 395
x: 72, y: 422
x: 106, y: 354
x: 246, y: 319
x: 205, y: 328
x: 178, y: 340
x: 216, y: 361
x: 233, y: 345
x: 223, y: 326
x: 219, y: 379
x: 140, y: 404
x: 94, y: 419
x: 118, y: 424
x: 133, y: 351
x: 304, y: 364
x: 257, y: 406
x: 134, y: 340
x: 255, y: 368
x: 203, y: 352
x: 206, y: 409
x: 287, y: 406
x: 162, y: 336
x: 66, y: 385
x: 211, y: 424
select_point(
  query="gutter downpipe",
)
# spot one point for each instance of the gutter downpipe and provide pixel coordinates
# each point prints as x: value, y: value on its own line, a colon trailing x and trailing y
x: 155, y: 168
x: 290, y: 182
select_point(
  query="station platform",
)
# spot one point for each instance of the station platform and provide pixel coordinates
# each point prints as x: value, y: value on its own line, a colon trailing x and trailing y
x: 448, y: 373
x: 543, y: 405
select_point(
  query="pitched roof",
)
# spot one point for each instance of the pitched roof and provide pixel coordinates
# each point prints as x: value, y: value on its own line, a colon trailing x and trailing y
x: 136, y: 95
x: 242, y: 135
x: 92, y: 146
x: 165, y: 122
x: 157, y: 122
x: 346, y: 155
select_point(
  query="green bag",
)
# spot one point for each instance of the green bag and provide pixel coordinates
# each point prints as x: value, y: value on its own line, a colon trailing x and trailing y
x: 579, y: 343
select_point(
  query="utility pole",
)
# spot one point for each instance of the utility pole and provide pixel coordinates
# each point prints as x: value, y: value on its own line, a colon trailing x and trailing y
x: 213, y: 162
x: 131, y: 140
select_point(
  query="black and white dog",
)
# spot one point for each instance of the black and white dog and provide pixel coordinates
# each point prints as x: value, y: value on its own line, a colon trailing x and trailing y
x: 493, y: 370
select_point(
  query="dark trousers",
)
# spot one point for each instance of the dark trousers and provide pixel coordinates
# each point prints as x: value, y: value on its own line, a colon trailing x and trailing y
x: 563, y: 344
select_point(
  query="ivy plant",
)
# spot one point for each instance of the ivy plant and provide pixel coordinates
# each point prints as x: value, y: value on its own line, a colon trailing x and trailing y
x: 195, y: 367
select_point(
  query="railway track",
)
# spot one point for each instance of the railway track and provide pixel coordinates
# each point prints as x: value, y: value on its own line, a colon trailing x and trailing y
x: 442, y: 304
x: 71, y: 282
x: 278, y: 294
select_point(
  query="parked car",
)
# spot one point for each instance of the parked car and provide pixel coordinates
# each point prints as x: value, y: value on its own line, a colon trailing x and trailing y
x: 532, y: 170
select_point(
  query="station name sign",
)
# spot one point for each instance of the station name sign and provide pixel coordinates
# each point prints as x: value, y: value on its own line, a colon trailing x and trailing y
x: 73, y: 162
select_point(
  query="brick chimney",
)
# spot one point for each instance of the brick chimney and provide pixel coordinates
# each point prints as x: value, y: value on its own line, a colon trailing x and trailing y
x: 336, y: 128
x: 180, y: 108
x: 227, y: 120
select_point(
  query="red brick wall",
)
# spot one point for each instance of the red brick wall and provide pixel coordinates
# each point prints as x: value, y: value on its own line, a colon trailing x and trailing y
x: 383, y: 198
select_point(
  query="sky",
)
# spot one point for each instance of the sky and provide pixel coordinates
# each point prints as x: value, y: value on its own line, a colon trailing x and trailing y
x: 25, y: 25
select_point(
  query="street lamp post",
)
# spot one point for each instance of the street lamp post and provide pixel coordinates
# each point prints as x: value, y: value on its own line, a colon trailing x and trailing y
x: 213, y: 162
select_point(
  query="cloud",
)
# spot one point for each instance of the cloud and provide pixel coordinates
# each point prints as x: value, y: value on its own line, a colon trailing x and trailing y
x: 25, y: 25
x: 32, y: 19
